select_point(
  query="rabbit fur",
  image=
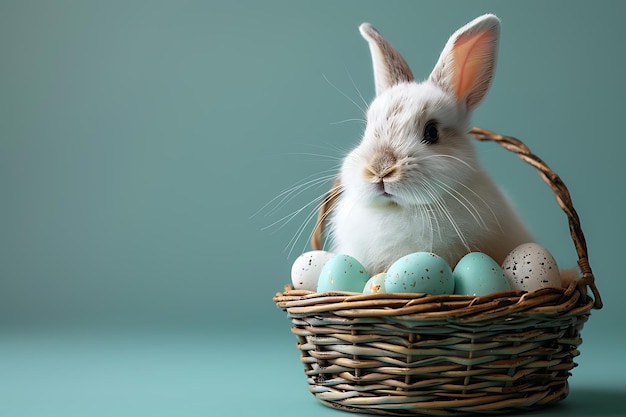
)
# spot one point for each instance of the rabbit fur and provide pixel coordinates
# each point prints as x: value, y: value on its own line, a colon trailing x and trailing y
x: 414, y: 183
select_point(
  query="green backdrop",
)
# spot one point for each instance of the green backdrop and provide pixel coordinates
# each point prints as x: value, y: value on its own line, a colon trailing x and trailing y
x: 141, y: 140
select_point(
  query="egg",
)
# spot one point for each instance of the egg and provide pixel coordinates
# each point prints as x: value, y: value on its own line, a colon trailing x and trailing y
x: 420, y: 272
x: 375, y: 284
x: 306, y: 269
x: 530, y: 266
x: 342, y: 273
x: 478, y: 274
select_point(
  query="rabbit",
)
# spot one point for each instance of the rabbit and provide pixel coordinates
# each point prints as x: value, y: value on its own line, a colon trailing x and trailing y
x: 413, y: 183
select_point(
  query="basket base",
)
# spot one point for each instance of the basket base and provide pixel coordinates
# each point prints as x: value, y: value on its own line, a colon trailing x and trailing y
x: 527, y: 403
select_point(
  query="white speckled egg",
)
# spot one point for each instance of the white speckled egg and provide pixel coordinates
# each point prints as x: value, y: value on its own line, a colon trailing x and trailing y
x: 375, y: 284
x: 306, y: 269
x: 420, y: 272
x: 342, y: 273
x: 530, y: 266
x: 478, y: 274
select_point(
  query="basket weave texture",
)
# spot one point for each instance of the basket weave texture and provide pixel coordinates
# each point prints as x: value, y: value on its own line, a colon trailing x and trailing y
x: 410, y: 354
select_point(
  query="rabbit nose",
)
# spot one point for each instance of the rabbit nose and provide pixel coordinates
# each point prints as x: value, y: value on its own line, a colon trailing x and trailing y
x: 381, y: 168
x: 382, y: 177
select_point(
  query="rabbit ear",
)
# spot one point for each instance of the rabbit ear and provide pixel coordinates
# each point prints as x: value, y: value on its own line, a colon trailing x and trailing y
x: 389, y: 66
x: 467, y: 63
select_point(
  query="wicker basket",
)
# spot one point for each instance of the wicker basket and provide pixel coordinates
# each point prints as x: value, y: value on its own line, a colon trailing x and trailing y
x: 408, y: 354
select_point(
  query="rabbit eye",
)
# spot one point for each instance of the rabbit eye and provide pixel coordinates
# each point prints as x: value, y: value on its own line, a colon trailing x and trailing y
x: 431, y: 133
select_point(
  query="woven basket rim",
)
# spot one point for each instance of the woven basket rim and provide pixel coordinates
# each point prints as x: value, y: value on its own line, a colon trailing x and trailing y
x: 548, y: 301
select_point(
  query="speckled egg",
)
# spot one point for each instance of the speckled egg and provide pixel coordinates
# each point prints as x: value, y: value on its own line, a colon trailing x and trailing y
x: 375, y: 284
x: 478, y: 274
x: 306, y: 269
x: 530, y: 266
x: 420, y: 272
x: 342, y: 273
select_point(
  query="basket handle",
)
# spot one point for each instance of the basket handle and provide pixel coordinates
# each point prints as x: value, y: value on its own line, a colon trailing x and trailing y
x: 550, y: 177
x: 562, y: 197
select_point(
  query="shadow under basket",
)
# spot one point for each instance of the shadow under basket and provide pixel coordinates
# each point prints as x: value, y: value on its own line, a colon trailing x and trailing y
x: 410, y: 354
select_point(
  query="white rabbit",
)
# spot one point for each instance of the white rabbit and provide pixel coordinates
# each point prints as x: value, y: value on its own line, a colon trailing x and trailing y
x: 414, y: 183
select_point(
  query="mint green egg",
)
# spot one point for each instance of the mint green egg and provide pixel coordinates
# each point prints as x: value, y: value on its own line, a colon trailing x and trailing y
x: 420, y: 272
x: 342, y: 273
x: 478, y: 274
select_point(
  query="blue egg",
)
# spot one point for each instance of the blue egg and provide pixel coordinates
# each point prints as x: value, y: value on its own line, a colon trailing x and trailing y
x: 478, y: 274
x: 420, y: 272
x: 342, y: 273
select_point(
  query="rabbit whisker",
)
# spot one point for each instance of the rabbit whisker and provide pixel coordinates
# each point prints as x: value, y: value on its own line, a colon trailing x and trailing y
x: 424, y: 213
x: 357, y: 88
x: 311, y: 216
x: 362, y: 121
x: 466, y: 164
x: 292, y: 192
x: 283, y: 221
x: 336, y: 150
x: 482, y: 200
x: 462, y: 200
x: 441, y: 207
x: 344, y: 94
x: 303, y: 226
x: 317, y: 155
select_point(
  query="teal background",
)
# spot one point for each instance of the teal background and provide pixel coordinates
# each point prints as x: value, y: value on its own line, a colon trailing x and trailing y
x: 141, y: 140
